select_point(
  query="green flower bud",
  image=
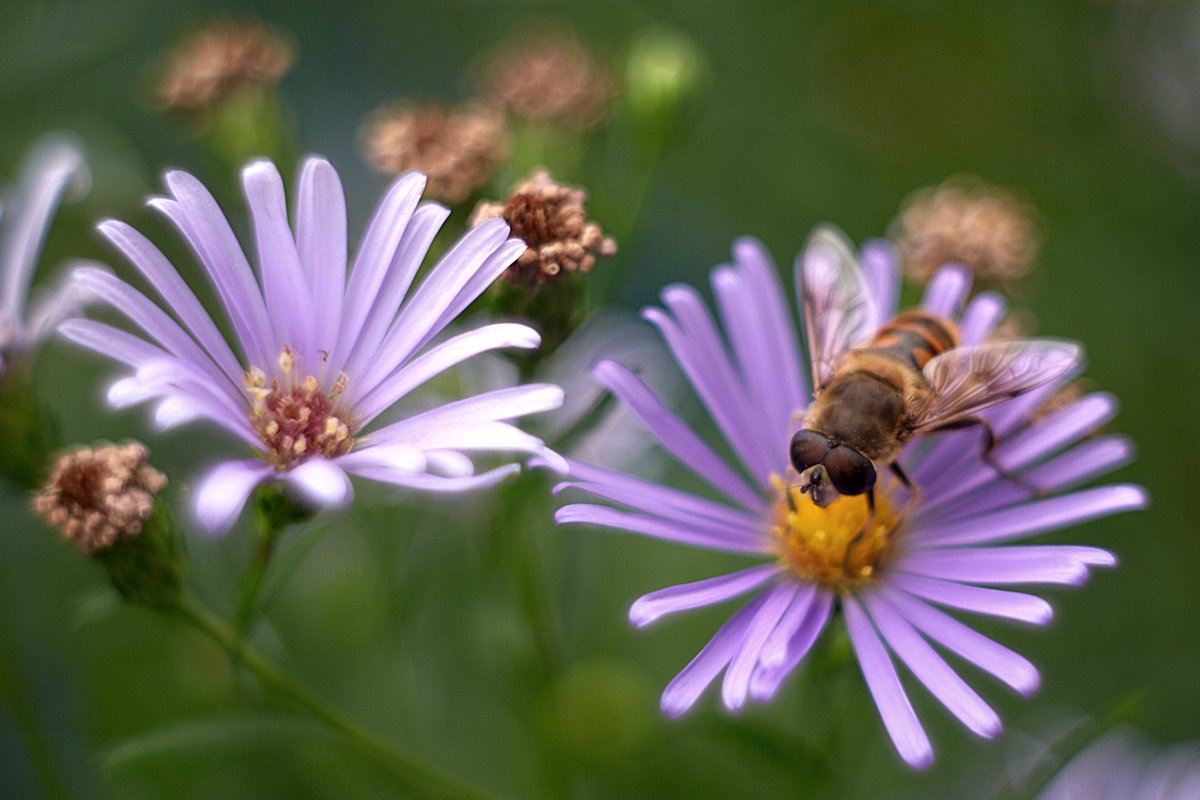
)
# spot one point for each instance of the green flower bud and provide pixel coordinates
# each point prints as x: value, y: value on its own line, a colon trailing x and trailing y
x: 663, y: 73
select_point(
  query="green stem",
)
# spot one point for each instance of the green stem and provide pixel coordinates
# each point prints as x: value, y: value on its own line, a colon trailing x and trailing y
x: 273, y: 512
x: 418, y: 777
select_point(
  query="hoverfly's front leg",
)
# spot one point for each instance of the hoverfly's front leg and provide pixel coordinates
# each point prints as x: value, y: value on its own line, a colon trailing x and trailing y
x: 858, y: 537
x: 988, y: 454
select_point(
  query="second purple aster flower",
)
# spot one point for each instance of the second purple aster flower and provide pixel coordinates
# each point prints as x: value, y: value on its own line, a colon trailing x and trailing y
x: 889, y: 570
x: 319, y: 353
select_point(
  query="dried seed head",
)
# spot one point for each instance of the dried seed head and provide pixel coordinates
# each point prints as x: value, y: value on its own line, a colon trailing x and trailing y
x: 552, y: 220
x: 457, y: 148
x: 965, y: 221
x: 549, y: 77
x: 222, y: 59
x: 100, y: 494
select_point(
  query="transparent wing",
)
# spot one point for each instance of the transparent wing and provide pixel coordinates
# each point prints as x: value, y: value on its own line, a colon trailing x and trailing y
x: 839, y: 312
x: 966, y: 380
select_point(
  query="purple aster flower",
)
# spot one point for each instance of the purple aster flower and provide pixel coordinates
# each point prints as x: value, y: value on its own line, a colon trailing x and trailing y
x: 947, y: 547
x: 319, y: 354
x: 47, y: 173
x: 1121, y: 765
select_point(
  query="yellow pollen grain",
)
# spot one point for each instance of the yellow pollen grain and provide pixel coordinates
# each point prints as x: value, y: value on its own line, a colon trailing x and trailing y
x: 272, y: 428
x: 332, y: 425
x: 815, y: 543
x: 310, y: 384
x: 301, y: 445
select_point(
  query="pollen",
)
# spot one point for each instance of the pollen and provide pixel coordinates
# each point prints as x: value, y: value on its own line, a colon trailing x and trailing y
x: 298, y: 418
x: 819, y: 544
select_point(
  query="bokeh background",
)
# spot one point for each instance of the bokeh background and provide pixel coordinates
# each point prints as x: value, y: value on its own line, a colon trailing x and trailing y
x: 407, y: 613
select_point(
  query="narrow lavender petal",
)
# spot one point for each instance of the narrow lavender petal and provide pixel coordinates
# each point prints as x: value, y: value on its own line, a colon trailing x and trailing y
x: 981, y: 317
x: 1027, y: 519
x: 1008, y: 565
x: 221, y: 494
x: 476, y: 285
x: 198, y: 217
x: 1063, y: 427
x: 374, y: 259
x: 880, y: 264
x: 736, y: 685
x: 153, y: 265
x: 437, y: 483
x: 399, y: 457
x: 732, y: 540
x: 686, y: 596
x: 894, y: 707
x: 978, y: 599
x: 178, y: 376
x: 155, y: 322
x: 649, y: 496
x: 47, y: 172
x: 112, y: 342
x: 698, y: 348
x: 321, y: 243
x: 177, y: 409
x: 767, y: 679
x: 646, y: 502
x: 515, y: 401
x: 449, y: 463
x: 485, y: 435
x: 932, y: 670
x: 993, y: 658
x: 319, y: 483
x: 434, y: 295
x: 418, y: 235
x: 775, y: 649
x: 758, y: 349
x: 946, y: 291
x: 762, y: 279
x: 678, y: 439
x: 289, y: 301
x: 439, y: 359
x: 753, y: 354
x: 685, y: 688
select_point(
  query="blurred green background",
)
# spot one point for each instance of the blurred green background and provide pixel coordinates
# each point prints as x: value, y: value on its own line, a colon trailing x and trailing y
x: 406, y: 613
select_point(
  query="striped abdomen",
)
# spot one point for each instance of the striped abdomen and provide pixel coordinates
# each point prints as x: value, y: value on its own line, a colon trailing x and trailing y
x: 915, y: 337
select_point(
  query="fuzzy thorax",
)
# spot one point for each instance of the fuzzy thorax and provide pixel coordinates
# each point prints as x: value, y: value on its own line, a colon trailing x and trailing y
x: 298, y: 418
x: 815, y: 543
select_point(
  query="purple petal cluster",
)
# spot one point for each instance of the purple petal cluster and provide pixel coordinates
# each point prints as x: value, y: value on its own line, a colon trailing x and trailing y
x: 47, y: 173
x: 320, y: 352
x: 954, y: 550
x: 1121, y: 765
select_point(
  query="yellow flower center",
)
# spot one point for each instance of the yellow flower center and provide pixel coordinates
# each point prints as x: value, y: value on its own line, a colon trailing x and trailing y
x: 824, y: 544
x: 296, y: 419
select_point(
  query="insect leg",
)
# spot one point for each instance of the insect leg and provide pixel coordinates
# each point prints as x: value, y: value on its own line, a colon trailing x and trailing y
x: 989, y: 457
x: 914, y: 491
x: 863, y: 530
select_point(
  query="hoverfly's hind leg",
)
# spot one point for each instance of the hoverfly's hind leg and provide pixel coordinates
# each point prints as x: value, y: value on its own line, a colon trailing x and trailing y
x: 858, y: 537
x: 988, y: 453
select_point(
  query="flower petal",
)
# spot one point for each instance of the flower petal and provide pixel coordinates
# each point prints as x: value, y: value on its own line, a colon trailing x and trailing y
x: 222, y: 493
x: 686, y: 596
x: 319, y: 483
x: 685, y: 688
x: 736, y: 685
x: 767, y: 678
x: 893, y: 704
x: 980, y: 600
x: 321, y: 243
x: 715, y: 537
x: 932, y: 670
x: 946, y: 291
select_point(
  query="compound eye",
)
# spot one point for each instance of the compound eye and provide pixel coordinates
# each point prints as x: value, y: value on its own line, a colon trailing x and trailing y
x: 849, y: 470
x: 808, y: 448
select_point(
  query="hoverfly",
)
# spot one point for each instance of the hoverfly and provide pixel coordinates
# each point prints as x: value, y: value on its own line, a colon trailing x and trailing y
x: 879, y: 383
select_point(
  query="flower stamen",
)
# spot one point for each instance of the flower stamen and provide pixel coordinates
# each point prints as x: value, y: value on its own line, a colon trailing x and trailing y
x: 814, y: 542
x: 298, y: 420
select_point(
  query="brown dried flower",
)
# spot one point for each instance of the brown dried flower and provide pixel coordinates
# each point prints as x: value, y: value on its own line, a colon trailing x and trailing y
x: 457, y: 148
x: 221, y: 59
x: 553, y: 222
x: 549, y: 76
x: 98, y: 495
x: 967, y: 222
